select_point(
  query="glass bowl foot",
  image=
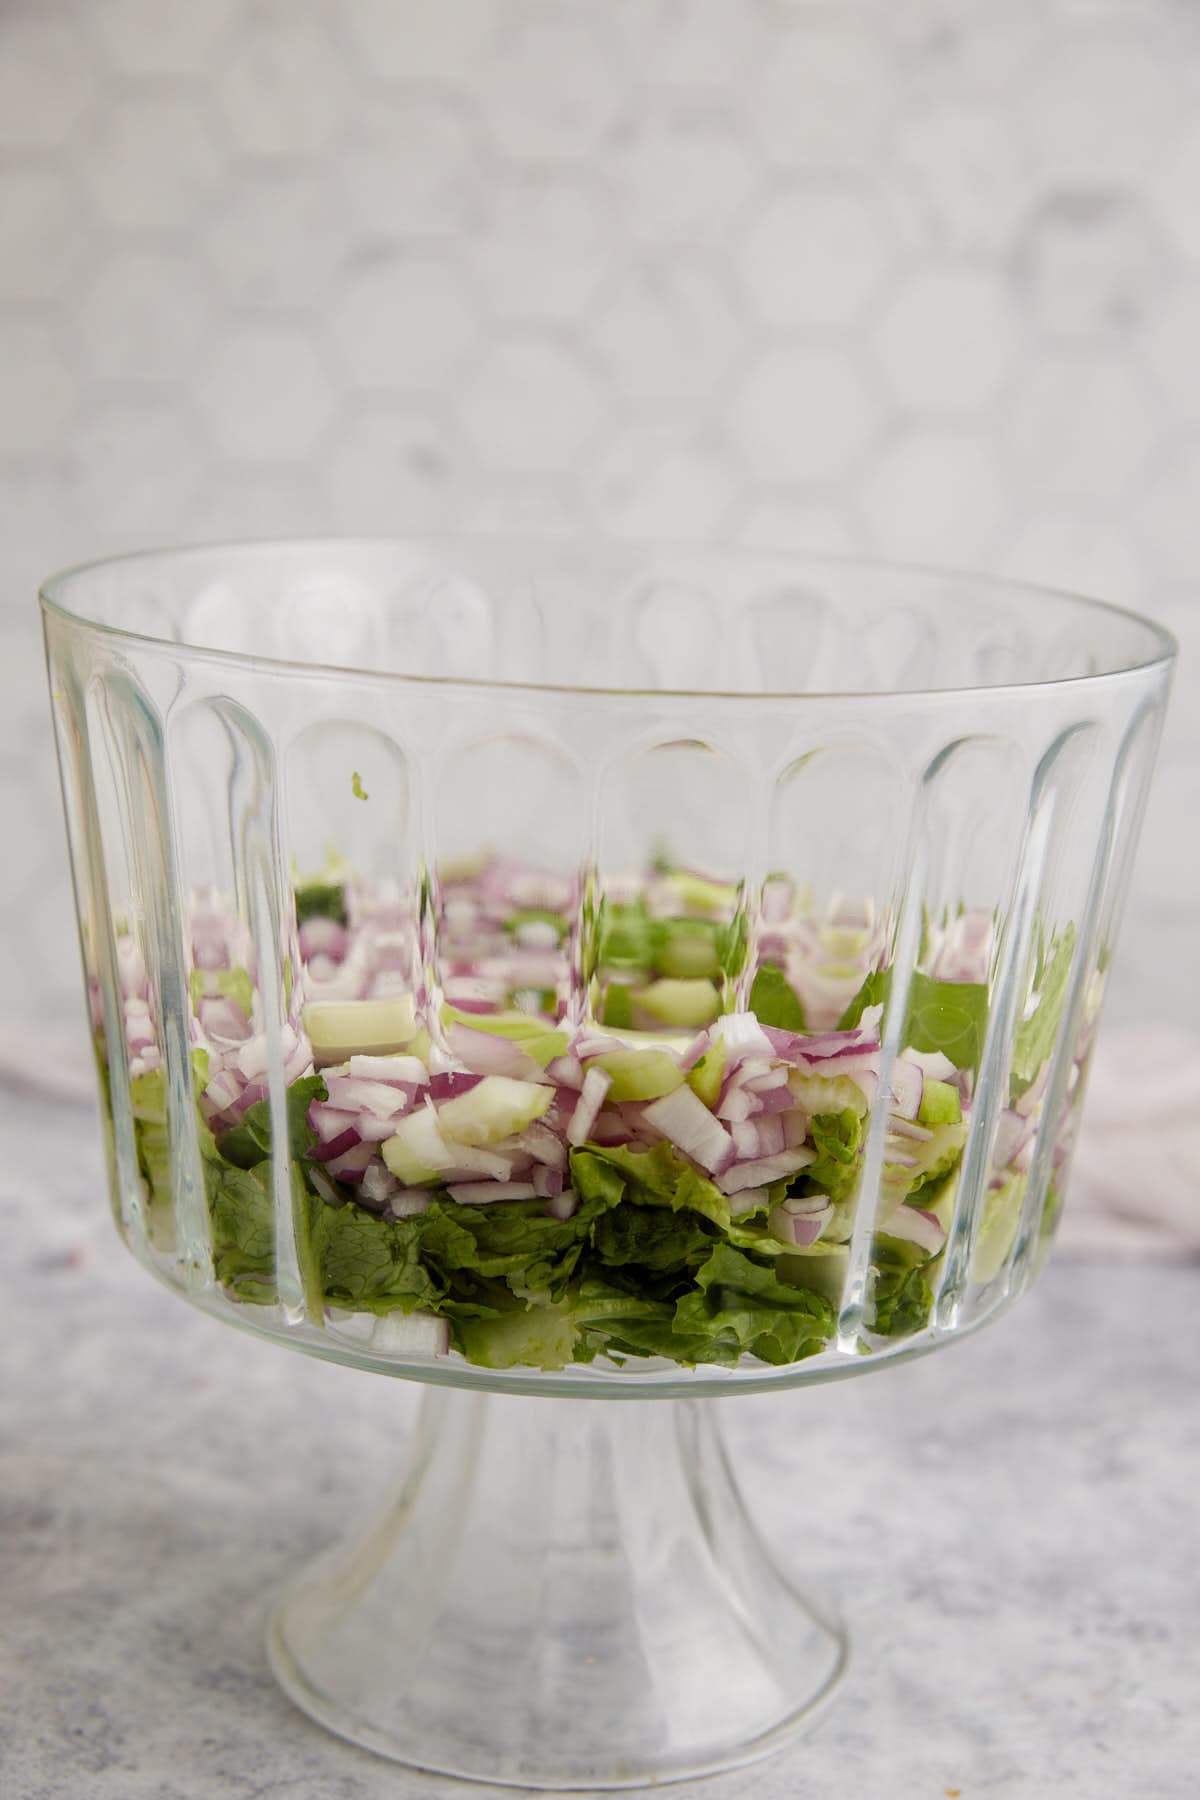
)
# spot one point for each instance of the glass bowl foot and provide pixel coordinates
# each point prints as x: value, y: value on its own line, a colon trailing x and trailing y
x: 563, y: 1594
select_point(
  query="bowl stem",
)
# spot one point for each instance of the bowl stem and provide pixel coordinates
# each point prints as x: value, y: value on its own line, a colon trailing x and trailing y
x: 562, y: 1594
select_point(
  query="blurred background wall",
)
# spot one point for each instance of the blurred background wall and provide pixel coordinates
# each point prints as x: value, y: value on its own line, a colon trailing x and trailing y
x: 912, y: 277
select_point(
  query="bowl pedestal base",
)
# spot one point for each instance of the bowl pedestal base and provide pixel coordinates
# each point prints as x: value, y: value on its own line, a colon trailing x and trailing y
x: 563, y: 1594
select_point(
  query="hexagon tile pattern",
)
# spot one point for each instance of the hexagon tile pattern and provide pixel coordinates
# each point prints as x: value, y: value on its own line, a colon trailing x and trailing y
x: 919, y: 280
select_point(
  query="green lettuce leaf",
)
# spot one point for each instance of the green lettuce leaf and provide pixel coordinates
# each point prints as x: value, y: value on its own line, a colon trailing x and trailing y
x: 249, y: 1141
x: 874, y: 992
x: 950, y: 1016
x: 903, y: 1298
x: 657, y: 1177
x: 773, y: 1001
x: 741, y: 1306
x: 837, y: 1139
x: 321, y: 900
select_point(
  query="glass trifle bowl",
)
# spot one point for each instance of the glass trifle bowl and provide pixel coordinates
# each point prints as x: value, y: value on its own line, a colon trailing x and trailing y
x: 563, y: 973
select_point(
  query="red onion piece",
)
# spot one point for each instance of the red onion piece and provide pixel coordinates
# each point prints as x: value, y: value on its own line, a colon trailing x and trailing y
x: 596, y: 1084
x: 765, y: 1171
x: 916, y: 1226
x: 683, y: 1118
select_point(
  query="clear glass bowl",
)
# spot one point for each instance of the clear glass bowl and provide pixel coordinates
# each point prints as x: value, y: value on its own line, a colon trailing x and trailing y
x: 561, y: 970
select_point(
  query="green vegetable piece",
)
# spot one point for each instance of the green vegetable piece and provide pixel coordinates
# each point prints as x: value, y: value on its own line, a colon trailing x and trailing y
x: 357, y: 788
x: 827, y: 1093
x: 874, y: 992
x: 820, y: 1267
x: 249, y: 1141
x: 837, y: 1138
x: 625, y: 937
x: 950, y: 1016
x: 657, y: 1177
x: 683, y: 1005
x: 539, y: 1336
x: 697, y: 895
x: 684, y: 949
x: 640, y: 1074
x: 773, y: 1001
x: 618, y: 1007
x: 497, y: 1107
x: 998, y: 1228
x: 705, y: 1077
x: 321, y: 900
x: 739, y: 1305
x: 1035, y: 1035
x: 940, y: 1104
x: 902, y: 1297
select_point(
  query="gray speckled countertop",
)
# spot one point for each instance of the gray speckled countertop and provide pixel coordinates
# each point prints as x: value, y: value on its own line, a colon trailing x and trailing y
x: 1012, y: 1531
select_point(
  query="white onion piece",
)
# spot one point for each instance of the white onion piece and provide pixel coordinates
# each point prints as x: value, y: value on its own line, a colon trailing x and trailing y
x: 564, y: 1205
x: 762, y: 1173
x: 366, y: 1096
x: 1013, y: 1131
x: 932, y: 1064
x: 567, y: 1071
x: 409, y: 1202
x: 378, y: 1184
x: 745, y: 1139
x: 329, y: 1121
x: 410, y: 1334
x: 748, y: 1201
x: 742, y: 1035
x: 596, y: 1084
x: 543, y: 1145
x: 771, y: 1139
x: 487, y: 1053
x: 908, y: 1085
x: 482, y: 1193
x: 916, y: 1226
x: 683, y: 1118
x: 798, y: 1230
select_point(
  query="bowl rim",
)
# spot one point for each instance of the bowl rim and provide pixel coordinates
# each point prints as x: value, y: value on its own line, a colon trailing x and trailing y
x: 54, y: 590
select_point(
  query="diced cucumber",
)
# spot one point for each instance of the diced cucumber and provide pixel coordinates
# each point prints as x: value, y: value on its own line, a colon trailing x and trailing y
x: 696, y: 895
x: 706, y: 1076
x: 496, y: 1107
x: 683, y: 1004
x: 940, y: 1104
x: 827, y: 1094
x: 685, y: 949
x: 640, y: 1074
x: 418, y: 1151
x: 338, y: 1029
x: 998, y: 1228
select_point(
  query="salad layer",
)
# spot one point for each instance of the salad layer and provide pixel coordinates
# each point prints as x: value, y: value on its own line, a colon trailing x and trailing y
x: 675, y: 1176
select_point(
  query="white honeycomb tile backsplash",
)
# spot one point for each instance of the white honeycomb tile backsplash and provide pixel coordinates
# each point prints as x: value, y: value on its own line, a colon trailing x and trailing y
x: 907, y: 277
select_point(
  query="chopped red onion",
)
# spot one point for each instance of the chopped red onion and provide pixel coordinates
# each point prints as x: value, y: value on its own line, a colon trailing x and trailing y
x: 596, y: 1084
x: 916, y: 1226
x: 762, y: 1173
x: 683, y: 1118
